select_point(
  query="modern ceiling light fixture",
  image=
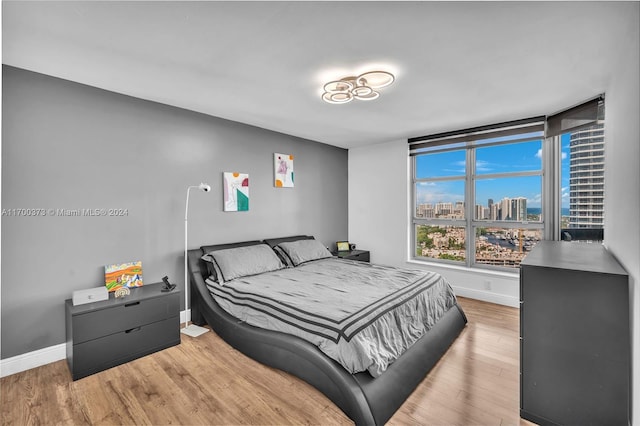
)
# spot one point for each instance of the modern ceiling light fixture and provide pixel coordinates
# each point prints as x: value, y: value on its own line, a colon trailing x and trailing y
x: 363, y: 87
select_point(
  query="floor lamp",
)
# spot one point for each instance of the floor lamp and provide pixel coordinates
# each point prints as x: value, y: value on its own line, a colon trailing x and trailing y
x: 190, y: 330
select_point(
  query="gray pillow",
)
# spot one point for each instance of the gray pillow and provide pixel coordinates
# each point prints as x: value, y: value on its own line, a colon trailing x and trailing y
x: 304, y: 251
x: 243, y: 261
x: 212, y: 268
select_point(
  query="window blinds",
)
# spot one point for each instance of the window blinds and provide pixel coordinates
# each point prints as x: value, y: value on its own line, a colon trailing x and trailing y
x: 574, y: 118
x: 481, y: 133
x: 580, y: 116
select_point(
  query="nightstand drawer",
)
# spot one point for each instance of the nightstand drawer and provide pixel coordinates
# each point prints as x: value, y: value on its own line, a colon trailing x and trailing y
x: 126, y: 316
x: 362, y: 256
x: 359, y: 255
x: 100, y: 354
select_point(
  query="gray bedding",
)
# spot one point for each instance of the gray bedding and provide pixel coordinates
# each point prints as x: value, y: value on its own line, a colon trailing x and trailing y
x: 364, y: 316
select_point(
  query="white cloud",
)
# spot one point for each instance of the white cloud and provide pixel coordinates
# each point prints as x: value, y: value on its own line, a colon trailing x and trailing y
x: 435, y: 192
x: 534, y: 200
x: 563, y: 155
x: 483, y: 166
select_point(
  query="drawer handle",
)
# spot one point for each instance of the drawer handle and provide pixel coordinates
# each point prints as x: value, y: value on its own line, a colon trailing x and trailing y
x: 133, y: 329
x: 131, y: 304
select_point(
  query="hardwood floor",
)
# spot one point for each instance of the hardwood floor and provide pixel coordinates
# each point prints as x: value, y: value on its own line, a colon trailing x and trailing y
x: 204, y: 381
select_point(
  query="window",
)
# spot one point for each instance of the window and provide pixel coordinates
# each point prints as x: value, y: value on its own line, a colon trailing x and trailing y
x: 579, y: 134
x: 583, y: 175
x: 478, y: 196
x: 484, y: 196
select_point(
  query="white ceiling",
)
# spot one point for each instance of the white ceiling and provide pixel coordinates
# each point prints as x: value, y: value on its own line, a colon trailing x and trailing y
x: 458, y: 64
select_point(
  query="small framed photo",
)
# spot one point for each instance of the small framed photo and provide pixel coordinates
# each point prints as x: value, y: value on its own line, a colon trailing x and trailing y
x: 343, y: 245
x: 123, y: 275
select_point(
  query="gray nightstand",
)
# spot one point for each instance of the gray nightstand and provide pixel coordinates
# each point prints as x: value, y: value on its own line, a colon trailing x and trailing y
x: 361, y: 255
x: 101, y: 335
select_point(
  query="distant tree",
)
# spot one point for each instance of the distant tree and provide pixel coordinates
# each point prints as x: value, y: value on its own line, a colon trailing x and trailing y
x: 450, y: 256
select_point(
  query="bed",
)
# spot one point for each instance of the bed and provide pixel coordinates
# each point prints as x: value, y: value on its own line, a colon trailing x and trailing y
x: 368, y: 397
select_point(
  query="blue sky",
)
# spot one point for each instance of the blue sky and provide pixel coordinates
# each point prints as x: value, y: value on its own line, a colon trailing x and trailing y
x: 490, y: 160
x: 565, y: 139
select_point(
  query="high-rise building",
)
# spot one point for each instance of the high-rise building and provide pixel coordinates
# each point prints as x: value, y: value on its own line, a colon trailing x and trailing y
x: 425, y: 210
x: 443, y: 209
x: 494, y: 212
x: 505, y: 209
x: 519, y: 209
x: 586, y: 178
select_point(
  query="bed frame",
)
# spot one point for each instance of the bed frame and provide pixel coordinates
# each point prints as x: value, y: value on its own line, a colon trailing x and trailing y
x: 366, y: 400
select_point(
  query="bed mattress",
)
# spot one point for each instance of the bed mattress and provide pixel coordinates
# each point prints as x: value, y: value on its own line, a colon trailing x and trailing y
x: 361, y: 315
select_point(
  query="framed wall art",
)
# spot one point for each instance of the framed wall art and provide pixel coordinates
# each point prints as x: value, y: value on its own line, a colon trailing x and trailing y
x: 283, y: 170
x: 235, y: 191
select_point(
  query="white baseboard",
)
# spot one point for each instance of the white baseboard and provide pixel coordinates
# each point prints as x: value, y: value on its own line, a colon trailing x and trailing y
x: 33, y: 359
x: 40, y: 357
x: 487, y: 296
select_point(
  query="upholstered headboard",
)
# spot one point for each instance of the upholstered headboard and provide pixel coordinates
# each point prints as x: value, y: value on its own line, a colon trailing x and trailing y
x: 275, y: 241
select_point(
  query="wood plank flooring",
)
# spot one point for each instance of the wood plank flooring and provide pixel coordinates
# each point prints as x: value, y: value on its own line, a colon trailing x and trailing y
x: 204, y: 381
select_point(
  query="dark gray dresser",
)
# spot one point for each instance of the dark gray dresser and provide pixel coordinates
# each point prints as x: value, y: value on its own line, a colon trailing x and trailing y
x: 574, y: 336
x: 104, y: 334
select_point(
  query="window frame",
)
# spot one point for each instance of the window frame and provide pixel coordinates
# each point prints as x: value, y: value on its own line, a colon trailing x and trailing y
x: 572, y: 119
x: 470, y: 178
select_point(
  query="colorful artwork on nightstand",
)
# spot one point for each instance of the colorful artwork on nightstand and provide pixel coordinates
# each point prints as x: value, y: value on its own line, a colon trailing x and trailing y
x: 236, y: 192
x: 283, y: 170
x: 123, y: 275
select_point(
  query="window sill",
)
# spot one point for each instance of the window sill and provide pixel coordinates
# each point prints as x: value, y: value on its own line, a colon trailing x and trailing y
x: 481, y: 271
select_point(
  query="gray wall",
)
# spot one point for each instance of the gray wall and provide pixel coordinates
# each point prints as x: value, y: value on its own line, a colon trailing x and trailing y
x: 70, y: 146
